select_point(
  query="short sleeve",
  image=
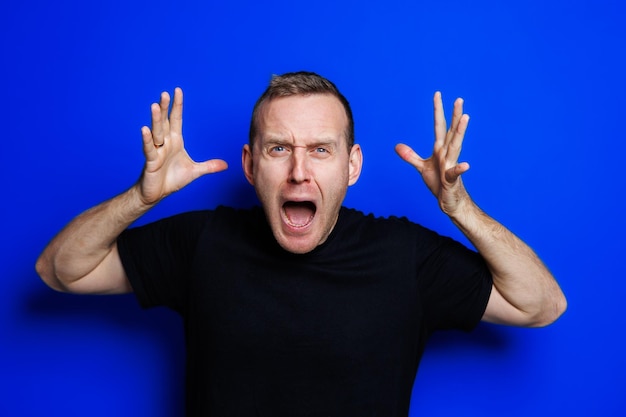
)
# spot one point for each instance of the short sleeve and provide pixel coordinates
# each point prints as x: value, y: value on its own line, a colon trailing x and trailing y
x: 455, y: 286
x: 158, y: 258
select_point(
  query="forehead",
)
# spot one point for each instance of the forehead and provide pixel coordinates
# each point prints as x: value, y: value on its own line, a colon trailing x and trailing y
x: 302, y: 118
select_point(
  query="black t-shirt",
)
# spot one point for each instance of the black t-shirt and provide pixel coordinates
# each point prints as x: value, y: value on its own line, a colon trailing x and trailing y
x: 338, y: 331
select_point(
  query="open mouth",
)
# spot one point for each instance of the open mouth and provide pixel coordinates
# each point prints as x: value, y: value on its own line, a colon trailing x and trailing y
x: 299, y: 213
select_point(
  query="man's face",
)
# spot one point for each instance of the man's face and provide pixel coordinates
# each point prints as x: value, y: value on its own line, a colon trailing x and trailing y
x: 301, y: 168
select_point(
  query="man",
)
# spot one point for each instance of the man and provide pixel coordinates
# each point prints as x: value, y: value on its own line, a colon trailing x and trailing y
x: 302, y: 307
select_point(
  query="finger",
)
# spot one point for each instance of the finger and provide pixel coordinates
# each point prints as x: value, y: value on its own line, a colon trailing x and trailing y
x: 165, y: 106
x: 440, y: 120
x: 176, y: 116
x: 158, y: 134
x: 457, y: 114
x: 456, y: 171
x: 149, y: 149
x: 409, y: 155
x: 456, y: 140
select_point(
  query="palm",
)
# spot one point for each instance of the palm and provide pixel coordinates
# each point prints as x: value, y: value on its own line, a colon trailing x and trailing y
x: 168, y: 167
x: 441, y: 172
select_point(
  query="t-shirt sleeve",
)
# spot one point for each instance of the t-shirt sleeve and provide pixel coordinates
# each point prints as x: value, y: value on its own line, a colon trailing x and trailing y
x: 455, y: 285
x: 158, y: 258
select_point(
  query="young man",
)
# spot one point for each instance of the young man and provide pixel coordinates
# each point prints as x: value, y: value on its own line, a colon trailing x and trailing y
x: 302, y: 306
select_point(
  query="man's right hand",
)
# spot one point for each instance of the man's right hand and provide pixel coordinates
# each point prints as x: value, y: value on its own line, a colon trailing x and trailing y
x: 83, y: 257
x: 168, y: 167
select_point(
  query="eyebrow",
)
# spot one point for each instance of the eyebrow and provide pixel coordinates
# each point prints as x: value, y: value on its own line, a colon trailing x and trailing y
x: 277, y: 140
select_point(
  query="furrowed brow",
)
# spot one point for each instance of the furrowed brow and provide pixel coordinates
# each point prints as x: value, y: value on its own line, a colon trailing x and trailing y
x: 278, y: 140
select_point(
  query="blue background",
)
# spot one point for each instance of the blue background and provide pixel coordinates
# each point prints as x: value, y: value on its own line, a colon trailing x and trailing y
x: 544, y: 83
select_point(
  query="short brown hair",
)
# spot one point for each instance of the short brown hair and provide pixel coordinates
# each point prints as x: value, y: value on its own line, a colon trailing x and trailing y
x: 300, y: 83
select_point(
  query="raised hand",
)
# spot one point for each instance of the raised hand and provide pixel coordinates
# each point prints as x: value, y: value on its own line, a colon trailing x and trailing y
x: 442, y: 171
x: 168, y: 167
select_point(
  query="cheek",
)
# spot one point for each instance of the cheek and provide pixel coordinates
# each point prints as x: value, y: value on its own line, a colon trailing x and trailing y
x: 267, y: 180
x: 333, y: 183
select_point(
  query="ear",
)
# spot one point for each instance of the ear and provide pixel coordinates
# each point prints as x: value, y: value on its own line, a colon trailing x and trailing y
x: 355, y: 163
x: 247, y: 163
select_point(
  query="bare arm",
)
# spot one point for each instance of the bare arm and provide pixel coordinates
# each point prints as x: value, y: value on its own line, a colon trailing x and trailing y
x: 83, y: 257
x: 525, y: 293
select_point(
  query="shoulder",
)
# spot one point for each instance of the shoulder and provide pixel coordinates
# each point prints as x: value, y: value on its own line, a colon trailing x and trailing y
x: 193, y: 223
x: 219, y: 215
x: 357, y: 220
x: 239, y: 218
x: 389, y: 233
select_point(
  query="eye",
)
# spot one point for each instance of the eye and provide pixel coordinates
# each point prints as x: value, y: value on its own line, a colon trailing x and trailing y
x: 277, y: 150
x: 321, y: 152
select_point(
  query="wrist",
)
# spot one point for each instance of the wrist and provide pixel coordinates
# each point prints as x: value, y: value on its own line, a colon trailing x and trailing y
x: 464, y: 212
x: 136, y: 201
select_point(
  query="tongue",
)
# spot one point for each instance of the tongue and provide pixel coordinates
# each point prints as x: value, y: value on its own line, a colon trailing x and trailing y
x: 299, y: 214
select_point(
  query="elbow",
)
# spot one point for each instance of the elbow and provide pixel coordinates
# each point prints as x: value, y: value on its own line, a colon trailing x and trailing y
x: 560, y: 307
x: 46, y: 271
x: 554, y: 308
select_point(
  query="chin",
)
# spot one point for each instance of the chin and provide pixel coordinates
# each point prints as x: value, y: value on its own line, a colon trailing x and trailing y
x: 298, y: 246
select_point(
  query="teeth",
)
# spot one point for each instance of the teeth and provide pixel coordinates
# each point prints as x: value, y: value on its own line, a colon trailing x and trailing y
x: 290, y: 223
x: 298, y: 215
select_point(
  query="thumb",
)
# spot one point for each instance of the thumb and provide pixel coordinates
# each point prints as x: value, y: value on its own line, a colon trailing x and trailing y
x: 409, y: 155
x: 210, y: 167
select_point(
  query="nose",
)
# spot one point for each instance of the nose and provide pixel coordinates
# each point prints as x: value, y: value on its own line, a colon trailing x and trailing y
x: 300, y: 170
